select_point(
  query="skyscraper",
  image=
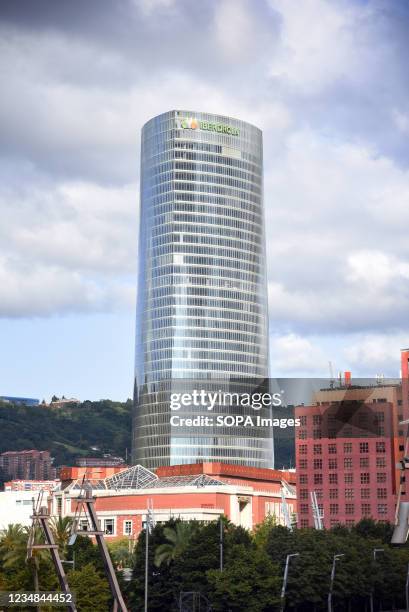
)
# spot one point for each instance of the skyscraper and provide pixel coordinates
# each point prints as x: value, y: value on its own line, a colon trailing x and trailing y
x: 202, y: 295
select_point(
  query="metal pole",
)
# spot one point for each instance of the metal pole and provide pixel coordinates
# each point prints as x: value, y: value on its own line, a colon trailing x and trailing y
x: 284, y: 587
x: 221, y: 543
x: 146, y: 561
x: 375, y: 550
x: 407, y: 590
x: 331, y: 586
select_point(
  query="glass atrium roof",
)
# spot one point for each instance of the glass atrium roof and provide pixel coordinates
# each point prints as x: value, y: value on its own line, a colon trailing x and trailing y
x: 138, y: 477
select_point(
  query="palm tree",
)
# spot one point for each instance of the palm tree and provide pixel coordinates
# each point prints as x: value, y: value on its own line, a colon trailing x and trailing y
x: 12, y: 540
x: 13, y: 550
x: 61, y: 528
x: 178, y: 539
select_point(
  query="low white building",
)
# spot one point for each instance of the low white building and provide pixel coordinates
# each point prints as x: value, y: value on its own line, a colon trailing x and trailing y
x: 17, y: 507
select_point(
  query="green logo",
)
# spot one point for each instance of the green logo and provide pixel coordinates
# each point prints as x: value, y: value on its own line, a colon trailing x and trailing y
x: 191, y: 123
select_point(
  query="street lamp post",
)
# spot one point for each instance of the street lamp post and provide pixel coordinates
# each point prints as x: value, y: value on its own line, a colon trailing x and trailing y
x: 331, y: 585
x: 375, y: 551
x: 287, y: 564
x: 407, y: 590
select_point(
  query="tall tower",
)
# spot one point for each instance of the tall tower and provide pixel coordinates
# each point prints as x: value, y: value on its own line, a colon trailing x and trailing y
x: 202, y: 293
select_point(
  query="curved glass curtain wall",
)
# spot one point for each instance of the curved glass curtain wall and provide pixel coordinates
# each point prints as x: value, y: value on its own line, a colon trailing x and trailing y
x: 202, y: 295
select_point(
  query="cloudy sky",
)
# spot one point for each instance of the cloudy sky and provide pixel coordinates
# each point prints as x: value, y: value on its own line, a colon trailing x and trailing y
x: 328, y: 83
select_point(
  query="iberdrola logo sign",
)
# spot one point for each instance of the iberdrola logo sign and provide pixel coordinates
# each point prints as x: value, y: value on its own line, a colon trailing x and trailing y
x: 191, y: 123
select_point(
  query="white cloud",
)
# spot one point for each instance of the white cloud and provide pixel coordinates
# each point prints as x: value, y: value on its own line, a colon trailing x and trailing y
x: 318, y: 42
x: 291, y: 354
x: 377, y: 353
x: 337, y: 248
x: 401, y: 120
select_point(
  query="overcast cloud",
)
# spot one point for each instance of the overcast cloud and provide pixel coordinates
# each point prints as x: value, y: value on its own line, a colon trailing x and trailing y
x: 326, y: 80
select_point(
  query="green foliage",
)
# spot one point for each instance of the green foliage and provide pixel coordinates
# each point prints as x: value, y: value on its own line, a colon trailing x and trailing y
x: 67, y: 432
x: 61, y: 528
x: 178, y: 538
x: 248, y: 576
x: 17, y: 572
x: 85, y: 552
x: 91, y: 589
x: 121, y: 553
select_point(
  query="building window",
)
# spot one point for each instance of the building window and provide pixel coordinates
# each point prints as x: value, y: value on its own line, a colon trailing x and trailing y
x: 332, y: 449
x: 317, y: 478
x: 380, y: 462
x: 127, y: 528
x: 333, y: 478
x: 83, y: 525
x: 317, y: 449
x: 349, y: 509
x: 382, y: 493
x: 318, y: 493
x: 333, y: 493
x: 381, y: 477
x: 347, y: 462
x: 316, y: 434
x: 348, y: 478
x: 304, y: 508
x: 363, y: 462
x: 347, y: 447
x: 303, y: 449
x: 364, y: 477
x: 304, y: 523
x: 332, y: 464
x: 366, y: 509
x: 303, y: 479
x: 303, y: 420
x: 317, y: 464
x: 364, y: 447
x: 333, y: 509
x: 349, y: 494
x: 317, y: 419
x: 349, y: 522
x: 303, y: 464
x: 303, y: 493
x: 382, y: 509
x: 380, y: 447
x: 109, y: 526
x: 380, y: 416
x: 365, y: 493
x: 302, y: 434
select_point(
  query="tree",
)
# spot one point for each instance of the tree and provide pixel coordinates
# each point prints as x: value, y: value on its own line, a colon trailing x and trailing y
x: 91, y: 589
x: 85, y: 553
x: 21, y: 572
x: 162, y: 589
x: 61, y: 528
x: 121, y: 553
x: 178, y: 538
x: 249, y: 576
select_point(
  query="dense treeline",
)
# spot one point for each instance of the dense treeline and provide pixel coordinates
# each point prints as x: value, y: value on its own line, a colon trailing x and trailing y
x: 254, y: 567
x: 67, y: 432
x: 185, y: 557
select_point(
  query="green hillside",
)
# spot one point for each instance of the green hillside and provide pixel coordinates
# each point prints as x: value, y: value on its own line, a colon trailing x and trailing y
x: 67, y: 432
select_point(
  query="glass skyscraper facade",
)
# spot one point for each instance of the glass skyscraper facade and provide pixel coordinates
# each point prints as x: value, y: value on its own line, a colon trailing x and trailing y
x: 202, y: 293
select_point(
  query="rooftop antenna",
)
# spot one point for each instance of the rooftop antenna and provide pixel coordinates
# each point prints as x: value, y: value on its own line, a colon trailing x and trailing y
x: 331, y: 375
